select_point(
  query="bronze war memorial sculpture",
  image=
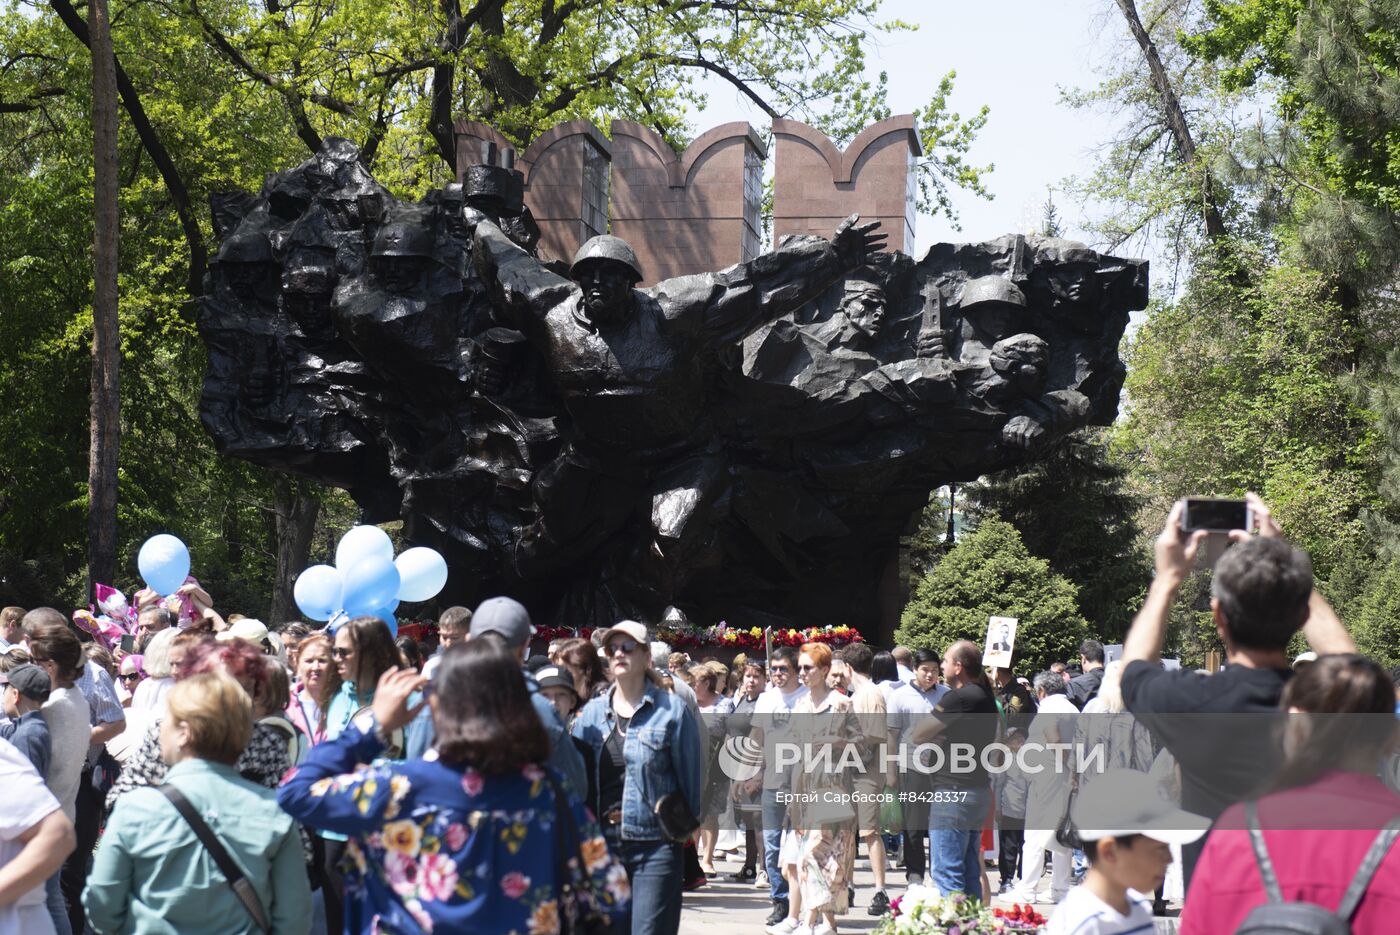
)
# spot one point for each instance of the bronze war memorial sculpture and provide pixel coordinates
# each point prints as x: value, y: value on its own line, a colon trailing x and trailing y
x: 745, y: 445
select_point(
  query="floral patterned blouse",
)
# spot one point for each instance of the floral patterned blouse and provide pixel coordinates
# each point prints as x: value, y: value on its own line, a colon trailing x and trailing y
x: 438, y: 848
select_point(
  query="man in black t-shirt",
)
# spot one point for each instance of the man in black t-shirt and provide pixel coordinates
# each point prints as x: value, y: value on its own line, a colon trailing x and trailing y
x: 1219, y: 726
x: 965, y: 722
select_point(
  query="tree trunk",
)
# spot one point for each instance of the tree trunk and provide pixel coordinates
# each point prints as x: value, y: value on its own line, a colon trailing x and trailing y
x: 297, y: 508
x: 1176, y: 118
x: 105, y: 411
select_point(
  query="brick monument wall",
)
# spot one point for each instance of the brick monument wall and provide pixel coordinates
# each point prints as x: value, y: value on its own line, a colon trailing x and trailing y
x: 816, y: 185
x: 692, y: 212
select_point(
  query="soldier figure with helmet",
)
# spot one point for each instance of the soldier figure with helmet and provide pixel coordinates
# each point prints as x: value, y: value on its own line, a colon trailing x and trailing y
x: 632, y: 366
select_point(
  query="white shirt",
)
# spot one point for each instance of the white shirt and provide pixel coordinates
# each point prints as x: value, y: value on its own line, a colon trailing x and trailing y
x: 150, y: 695
x: 772, y: 713
x: 430, y: 667
x: 1083, y: 913
x: 70, y: 731
x: 906, y: 674
x: 907, y: 703
x: 1049, y: 788
x: 26, y: 803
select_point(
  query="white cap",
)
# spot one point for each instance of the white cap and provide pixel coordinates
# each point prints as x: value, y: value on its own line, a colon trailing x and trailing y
x: 1123, y: 802
x: 1302, y: 658
x: 248, y: 630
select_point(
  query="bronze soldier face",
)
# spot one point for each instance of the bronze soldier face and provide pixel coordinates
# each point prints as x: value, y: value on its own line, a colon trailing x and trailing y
x: 865, y: 306
x: 607, y: 291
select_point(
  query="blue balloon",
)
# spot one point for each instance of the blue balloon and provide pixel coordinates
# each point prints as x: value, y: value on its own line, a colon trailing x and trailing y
x: 317, y: 591
x: 370, y: 584
x: 164, y: 563
x: 360, y: 543
x: 386, y: 614
x: 422, y: 572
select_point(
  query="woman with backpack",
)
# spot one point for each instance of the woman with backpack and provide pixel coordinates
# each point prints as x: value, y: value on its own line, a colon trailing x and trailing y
x: 1324, y: 813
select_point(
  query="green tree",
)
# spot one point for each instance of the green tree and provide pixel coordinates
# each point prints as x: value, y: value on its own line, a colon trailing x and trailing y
x: 990, y: 573
x: 1237, y: 386
x: 1072, y: 507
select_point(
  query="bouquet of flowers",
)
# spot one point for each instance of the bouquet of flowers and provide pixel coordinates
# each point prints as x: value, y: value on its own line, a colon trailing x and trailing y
x: 923, y: 910
x: 1019, y: 918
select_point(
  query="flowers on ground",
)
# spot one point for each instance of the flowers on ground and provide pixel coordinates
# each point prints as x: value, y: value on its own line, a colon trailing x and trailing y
x: 923, y: 910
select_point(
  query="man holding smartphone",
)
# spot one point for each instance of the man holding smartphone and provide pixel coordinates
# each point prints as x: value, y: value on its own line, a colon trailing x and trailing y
x: 1261, y: 594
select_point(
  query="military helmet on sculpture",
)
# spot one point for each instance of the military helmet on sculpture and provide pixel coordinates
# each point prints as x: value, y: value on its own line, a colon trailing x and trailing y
x: 991, y: 289
x: 607, y: 247
x: 246, y: 247
x: 404, y: 238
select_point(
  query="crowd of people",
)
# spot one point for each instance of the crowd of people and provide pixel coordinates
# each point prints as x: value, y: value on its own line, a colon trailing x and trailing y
x: 216, y: 775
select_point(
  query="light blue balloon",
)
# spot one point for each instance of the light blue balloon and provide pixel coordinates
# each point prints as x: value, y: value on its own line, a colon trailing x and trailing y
x: 422, y: 573
x: 164, y: 563
x: 317, y: 591
x: 360, y: 543
x: 370, y: 584
x: 386, y: 613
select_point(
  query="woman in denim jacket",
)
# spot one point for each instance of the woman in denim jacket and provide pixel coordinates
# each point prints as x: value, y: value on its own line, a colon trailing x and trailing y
x: 646, y: 744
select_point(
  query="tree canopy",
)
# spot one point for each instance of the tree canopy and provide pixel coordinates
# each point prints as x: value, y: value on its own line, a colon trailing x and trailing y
x: 990, y: 573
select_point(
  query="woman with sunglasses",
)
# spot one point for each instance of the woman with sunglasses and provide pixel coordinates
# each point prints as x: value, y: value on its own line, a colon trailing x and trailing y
x: 363, y: 650
x: 822, y: 847
x: 646, y: 746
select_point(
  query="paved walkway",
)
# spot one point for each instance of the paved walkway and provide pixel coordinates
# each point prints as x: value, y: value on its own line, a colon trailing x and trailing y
x: 740, y: 908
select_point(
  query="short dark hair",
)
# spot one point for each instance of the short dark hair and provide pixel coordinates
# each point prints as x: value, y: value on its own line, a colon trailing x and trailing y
x: 1263, y: 587
x: 455, y: 618
x: 923, y: 656
x: 1091, y: 650
x: 484, y: 717
x: 786, y: 654
x: 859, y: 657
x: 1091, y: 848
x: 883, y: 668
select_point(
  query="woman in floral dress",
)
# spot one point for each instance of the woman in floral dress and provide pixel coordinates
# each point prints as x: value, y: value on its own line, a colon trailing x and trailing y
x: 467, y: 839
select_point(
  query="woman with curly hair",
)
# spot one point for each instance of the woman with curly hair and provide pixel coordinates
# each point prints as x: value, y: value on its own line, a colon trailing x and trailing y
x: 264, y: 760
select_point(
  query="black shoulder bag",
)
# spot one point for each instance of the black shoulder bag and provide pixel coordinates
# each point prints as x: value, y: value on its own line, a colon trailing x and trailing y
x: 236, y: 879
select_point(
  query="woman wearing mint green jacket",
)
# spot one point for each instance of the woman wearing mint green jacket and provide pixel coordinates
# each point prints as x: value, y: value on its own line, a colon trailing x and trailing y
x: 151, y: 874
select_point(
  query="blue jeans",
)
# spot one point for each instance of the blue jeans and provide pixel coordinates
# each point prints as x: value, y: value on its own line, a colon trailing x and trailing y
x: 53, y: 900
x: 774, y: 816
x: 654, y: 869
x: 954, y: 839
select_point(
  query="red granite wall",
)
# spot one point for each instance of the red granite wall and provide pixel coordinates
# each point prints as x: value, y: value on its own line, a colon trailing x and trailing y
x: 689, y: 212
x: 815, y: 184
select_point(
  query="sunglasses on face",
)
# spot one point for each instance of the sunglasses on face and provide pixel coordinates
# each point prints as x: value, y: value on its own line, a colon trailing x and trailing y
x: 626, y: 647
x: 130, y: 676
x: 339, y: 653
x: 780, y: 670
x: 806, y: 668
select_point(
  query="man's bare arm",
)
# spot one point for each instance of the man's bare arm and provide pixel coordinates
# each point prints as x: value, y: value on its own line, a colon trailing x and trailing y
x: 1175, y: 554
x: 46, y: 845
